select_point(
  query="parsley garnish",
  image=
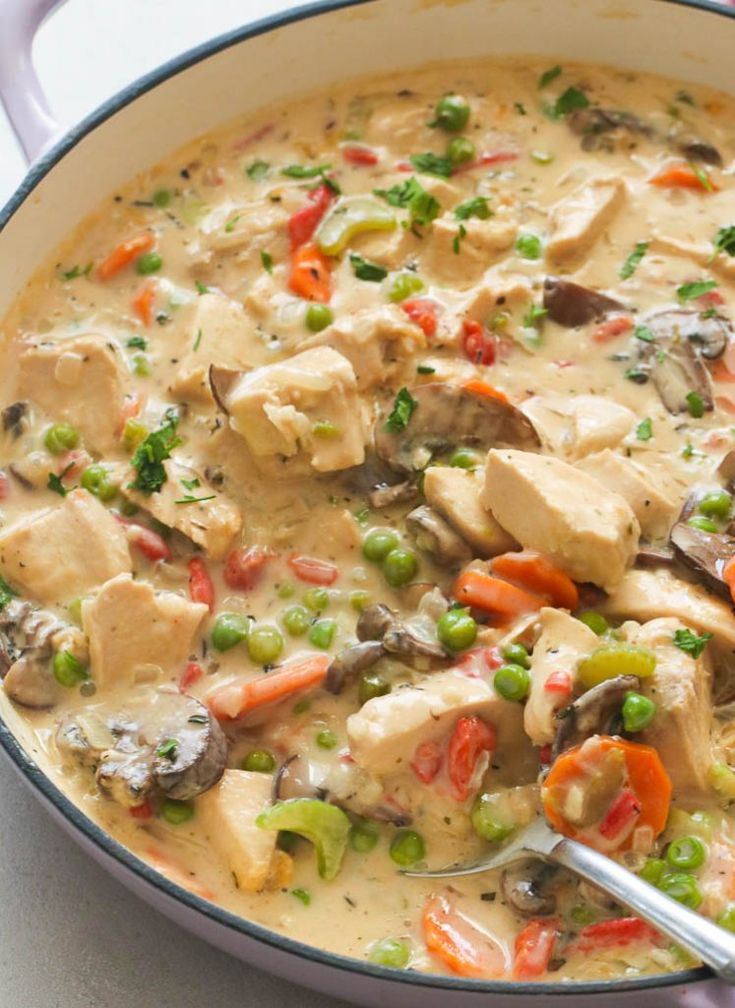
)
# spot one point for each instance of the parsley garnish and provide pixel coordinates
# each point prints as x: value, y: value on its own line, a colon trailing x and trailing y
x: 520, y: 108
x: 636, y: 375
x: 633, y: 261
x: 6, y: 593
x: 644, y: 430
x: 571, y: 100
x: 642, y: 332
x: 151, y: 454
x: 461, y: 232
x: 198, y: 719
x: 477, y: 207
x: 533, y: 316
x: 190, y: 499
x: 168, y: 749
x: 54, y: 482
x: 76, y: 271
x: 257, y: 170
x: 432, y: 164
x: 421, y: 206
x: 548, y: 76
x: 688, y: 451
x: 301, y: 171
x: 191, y: 484
x: 137, y: 343
x: 703, y: 177
x: 695, y: 289
x: 230, y: 225
x: 725, y: 240
x: 696, y: 405
x: 201, y: 288
x: 198, y: 340
x: 425, y: 369
x: 267, y: 260
x: 693, y: 644
x: 402, y: 411
x: 365, y: 270
x: 361, y: 516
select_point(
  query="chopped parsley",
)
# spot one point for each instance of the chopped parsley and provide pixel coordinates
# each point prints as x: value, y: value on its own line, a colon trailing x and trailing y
x: 54, y: 482
x: 230, y: 225
x: 548, y: 76
x: 301, y: 171
x: 642, y: 332
x: 198, y: 719
x: 569, y: 101
x: 361, y: 516
x: 168, y: 749
x: 201, y: 287
x: 461, y: 233
x: 425, y: 369
x: 637, y: 375
x: 688, y: 451
x: 533, y: 316
x: 137, y: 343
x: 152, y: 452
x: 421, y: 206
x: 477, y: 207
x: 432, y: 164
x: 257, y: 170
x: 6, y: 593
x: 644, y: 430
x: 267, y: 260
x: 693, y: 644
x: 198, y: 340
x: 725, y: 240
x: 633, y: 261
x: 695, y: 289
x: 191, y: 484
x: 704, y: 179
x: 696, y: 405
x: 365, y: 270
x: 190, y: 499
x: 520, y: 108
x: 76, y: 271
x: 402, y: 411
x: 303, y: 895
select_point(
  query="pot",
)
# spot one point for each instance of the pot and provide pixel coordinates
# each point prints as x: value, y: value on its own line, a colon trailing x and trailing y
x: 230, y: 76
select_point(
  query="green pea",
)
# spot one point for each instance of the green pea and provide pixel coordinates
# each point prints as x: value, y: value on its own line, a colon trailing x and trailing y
x: 60, y: 438
x: 372, y: 684
x: 516, y: 654
x: 582, y: 915
x: 681, y: 887
x: 177, y: 812
x: 464, y: 458
x: 285, y: 590
x: 491, y: 819
x: 595, y: 621
x: 460, y: 150
x: 403, y: 285
x: 716, y: 504
x: 638, y: 712
x: 321, y: 633
x: 407, y: 847
x: 359, y: 600
x: 162, y: 197
x: 316, y: 599
x: 727, y: 918
x: 378, y: 543
x: 134, y: 432
x: 97, y: 480
x: 326, y: 739
x: 302, y: 895
x: 318, y: 317
x: 229, y: 629
x: 149, y: 262
x: 259, y: 761
x: 653, y: 870
x: 400, y: 567
x: 68, y: 670
x: 325, y: 429
x: 456, y: 629
x: 363, y: 836
x: 542, y: 157
x: 452, y: 113
x: 296, y: 620
x: 703, y: 524
x: 265, y: 644
x: 141, y: 365
x: 528, y: 246
x: 512, y: 682
x: 686, y: 852
x: 391, y: 952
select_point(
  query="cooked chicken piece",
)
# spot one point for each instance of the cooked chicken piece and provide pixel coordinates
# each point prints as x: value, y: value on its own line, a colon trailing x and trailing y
x: 218, y: 332
x: 578, y: 220
x: 550, y: 506
x: 376, y: 342
x: 574, y: 426
x: 563, y: 641
x: 228, y: 813
x: 655, y: 512
x: 136, y: 632
x: 700, y: 254
x: 62, y: 552
x: 250, y: 227
x: 78, y: 381
x: 307, y: 404
x: 385, y: 732
x: 455, y: 494
x: 211, y: 522
x: 681, y: 688
x: 461, y: 259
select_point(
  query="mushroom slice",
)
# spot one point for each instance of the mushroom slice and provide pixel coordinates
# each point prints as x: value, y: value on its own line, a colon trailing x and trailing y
x: 16, y: 418
x: 706, y: 553
x: 197, y: 759
x: 445, y: 416
x: 221, y: 381
x: 570, y: 304
x: 710, y: 335
x: 28, y: 639
x: 696, y: 149
x: 436, y: 536
x: 524, y: 888
x: 351, y: 662
x: 594, y: 712
x: 677, y: 372
x: 384, y: 494
x: 373, y: 622
x: 398, y: 637
x: 296, y: 779
x: 592, y: 122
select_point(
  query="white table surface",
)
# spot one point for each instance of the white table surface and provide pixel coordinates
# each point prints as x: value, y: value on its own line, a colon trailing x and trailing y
x: 71, y: 937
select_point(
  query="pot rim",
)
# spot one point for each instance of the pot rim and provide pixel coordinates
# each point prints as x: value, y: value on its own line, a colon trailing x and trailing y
x: 105, y: 842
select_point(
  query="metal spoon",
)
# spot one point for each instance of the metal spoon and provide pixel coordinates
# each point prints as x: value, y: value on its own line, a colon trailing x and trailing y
x: 710, y: 943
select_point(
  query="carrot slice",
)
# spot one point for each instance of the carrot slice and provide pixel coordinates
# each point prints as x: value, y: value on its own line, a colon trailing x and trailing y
x: 484, y: 389
x: 125, y: 253
x: 461, y: 946
x: 494, y: 596
x: 613, y: 327
x: 728, y: 576
x: 647, y: 780
x: 539, y: 575
x: 238, y: 699
x: 683, y: 176
x: 143, y: 302
x: 310, y: 277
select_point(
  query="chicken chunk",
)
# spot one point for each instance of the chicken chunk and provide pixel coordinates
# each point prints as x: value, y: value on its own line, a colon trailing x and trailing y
x: 134, y: 631
x: 550, y: 506
x: 63, y: 552
x: 561, y: 644
x: 655, y: 512
x: 77, y: 381
x: 385, y: 732
x: 681, y: 689
x: 461, y: 259
x: 376, y: 342
x: 218, y: 332
x: 574, y: 426
x: 211, y: 522
x: 227, y: 813
x: 577, y: 221
x: 307, y: 405
x: 455, y: 494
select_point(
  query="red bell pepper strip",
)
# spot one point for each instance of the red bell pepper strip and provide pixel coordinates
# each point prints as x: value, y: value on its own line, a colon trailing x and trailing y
x: 313, y: 571
x: 424, y: 312
x: 244, y: 568
x: 201, y: 588
x: 471, y: 737
x: 427, y: 761
x: 620, y: 931
x: 534, y: 947
x: 192, y: 673
x: 479, y: 345
x: 303, y: 223
x: 356, y: 154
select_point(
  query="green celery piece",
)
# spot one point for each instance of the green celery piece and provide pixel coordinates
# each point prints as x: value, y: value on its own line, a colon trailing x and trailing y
x: 325, y: 825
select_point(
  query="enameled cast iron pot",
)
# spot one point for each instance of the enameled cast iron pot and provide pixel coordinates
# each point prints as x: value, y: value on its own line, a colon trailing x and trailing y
x: 270, y: 60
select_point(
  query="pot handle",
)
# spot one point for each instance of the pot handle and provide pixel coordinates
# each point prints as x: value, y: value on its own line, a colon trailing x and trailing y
x: 20, y: 89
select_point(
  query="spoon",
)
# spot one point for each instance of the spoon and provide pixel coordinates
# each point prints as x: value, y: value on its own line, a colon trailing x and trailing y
x: 710, y: 943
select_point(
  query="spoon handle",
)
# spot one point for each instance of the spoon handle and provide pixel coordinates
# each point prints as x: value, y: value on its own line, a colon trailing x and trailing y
x: 710, y: 943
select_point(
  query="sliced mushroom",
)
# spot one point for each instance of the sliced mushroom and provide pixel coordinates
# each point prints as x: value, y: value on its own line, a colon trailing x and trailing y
x: 706, y: 553
x: 16, y: 418
x: 445, y: 416
x: 653, y: 556
x: 593, y: 122
x: 726, y: 469
x: 384, y: 494
x: 398, y: 636
x: 373, y: 622
x: 294, y: 779
x: 28, y: 639
x: 437, y: 537
x: 695, y: 149
x: 571, y: 304
x: 677, y: 371
x: 525, y: 888
x: 221, y: 381
x: 594, y: 712
x: 350, y: 662
x: 710, y: 335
